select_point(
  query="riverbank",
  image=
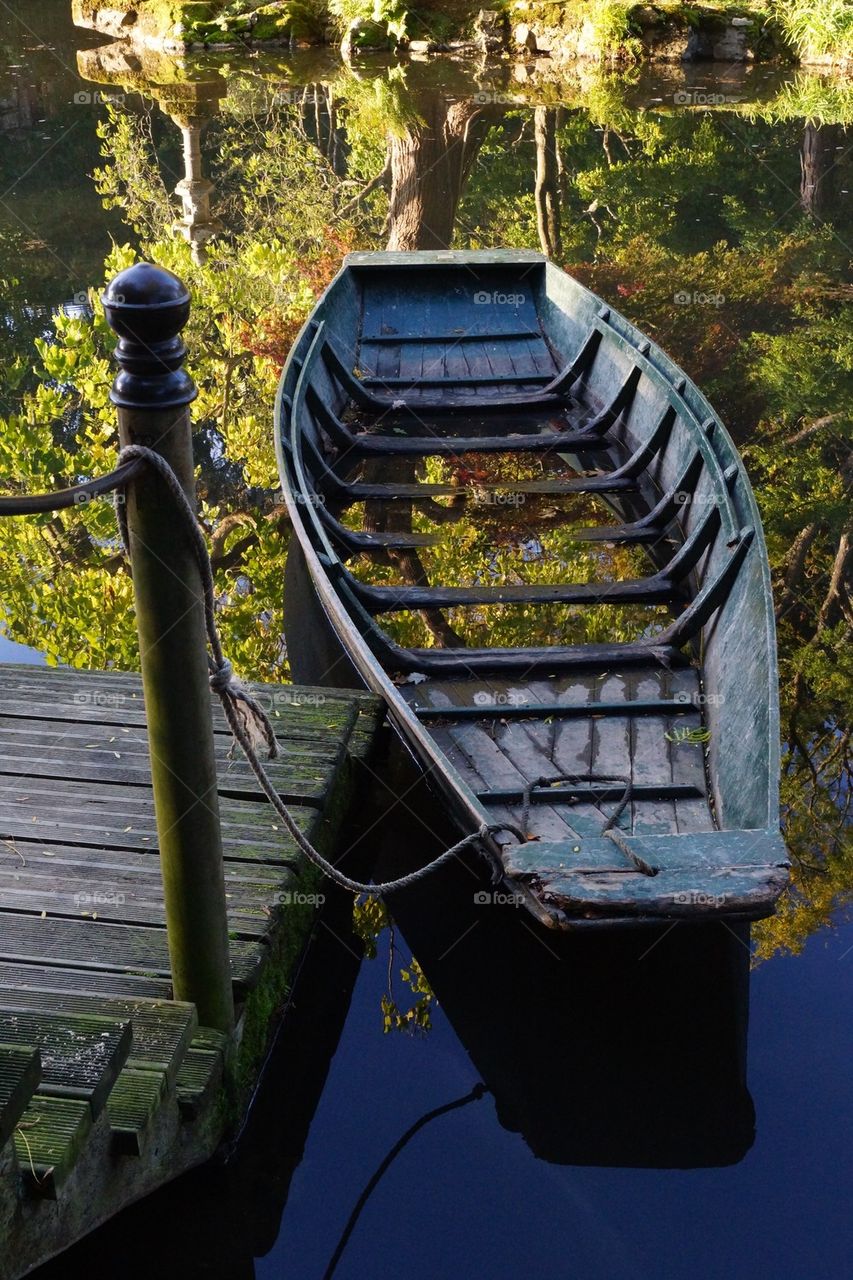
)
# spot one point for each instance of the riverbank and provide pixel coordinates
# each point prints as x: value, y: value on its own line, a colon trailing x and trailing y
x: 806, y: 32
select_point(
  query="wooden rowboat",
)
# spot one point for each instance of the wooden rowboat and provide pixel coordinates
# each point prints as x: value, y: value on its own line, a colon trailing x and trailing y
x: 519, y: 522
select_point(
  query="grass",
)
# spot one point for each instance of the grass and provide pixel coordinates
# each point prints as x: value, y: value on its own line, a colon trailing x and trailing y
x: 819, y: 99
x: 810, y: 28
x: 817, y: 28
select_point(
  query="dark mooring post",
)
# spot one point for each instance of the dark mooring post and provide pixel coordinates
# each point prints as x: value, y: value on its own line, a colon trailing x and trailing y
x: 148, y: 307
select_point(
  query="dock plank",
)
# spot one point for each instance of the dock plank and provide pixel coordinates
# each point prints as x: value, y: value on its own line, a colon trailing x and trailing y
x: 303, y: 772
x: 49, y: 1139
x: 134, y: 1101
x: 41, y: 809
x: 38, y: 977
x: 97, y: 945
x: 162, y: 1030
x: 20, y: 1075
x: 81, y: 1054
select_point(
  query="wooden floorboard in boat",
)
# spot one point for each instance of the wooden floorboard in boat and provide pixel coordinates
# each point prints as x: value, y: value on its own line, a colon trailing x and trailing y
x: 688, y: 760
x: 650, y: 755
x: 494, y: 753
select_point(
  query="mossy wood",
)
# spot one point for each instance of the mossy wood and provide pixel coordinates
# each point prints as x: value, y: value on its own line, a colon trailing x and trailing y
x: 108, y: 1086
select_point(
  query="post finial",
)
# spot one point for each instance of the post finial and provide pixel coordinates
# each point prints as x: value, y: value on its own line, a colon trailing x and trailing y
x: 148, y: 306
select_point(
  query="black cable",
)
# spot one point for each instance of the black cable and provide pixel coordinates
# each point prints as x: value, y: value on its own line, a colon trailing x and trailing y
x: 474, y: 1096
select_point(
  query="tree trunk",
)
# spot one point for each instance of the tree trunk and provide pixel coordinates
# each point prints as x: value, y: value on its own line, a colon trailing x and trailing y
x: 547, y: 181
x: 817, y: 168
x: 429, y: 165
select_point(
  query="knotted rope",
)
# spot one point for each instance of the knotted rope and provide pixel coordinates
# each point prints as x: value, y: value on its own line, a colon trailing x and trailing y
x: 249, y: 722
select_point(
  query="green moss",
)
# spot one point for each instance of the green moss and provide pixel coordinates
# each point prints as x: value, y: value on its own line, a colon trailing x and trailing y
x: 265, y: 1002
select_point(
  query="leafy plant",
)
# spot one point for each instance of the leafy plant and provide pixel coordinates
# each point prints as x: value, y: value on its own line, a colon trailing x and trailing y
x: 817, y: 27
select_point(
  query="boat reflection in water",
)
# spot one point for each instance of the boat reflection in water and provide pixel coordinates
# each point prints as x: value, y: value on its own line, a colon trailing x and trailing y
x: 624, y: 1049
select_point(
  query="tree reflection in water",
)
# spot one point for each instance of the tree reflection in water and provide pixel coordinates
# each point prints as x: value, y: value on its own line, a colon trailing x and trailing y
x: 685, y: 220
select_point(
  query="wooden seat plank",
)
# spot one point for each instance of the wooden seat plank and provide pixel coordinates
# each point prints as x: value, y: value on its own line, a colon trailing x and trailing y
x: 707, y: 873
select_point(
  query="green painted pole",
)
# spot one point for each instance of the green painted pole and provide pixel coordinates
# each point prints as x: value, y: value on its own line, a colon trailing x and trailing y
x: 148, y: 307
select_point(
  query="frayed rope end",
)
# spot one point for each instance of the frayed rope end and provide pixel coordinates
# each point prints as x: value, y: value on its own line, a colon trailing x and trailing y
x: 225, y: 684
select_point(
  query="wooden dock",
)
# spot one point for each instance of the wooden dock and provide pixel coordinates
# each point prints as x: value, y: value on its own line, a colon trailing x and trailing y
x: 108, y: 1087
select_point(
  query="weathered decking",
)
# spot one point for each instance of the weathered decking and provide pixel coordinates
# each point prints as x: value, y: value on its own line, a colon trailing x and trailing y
x: 108, y: 1087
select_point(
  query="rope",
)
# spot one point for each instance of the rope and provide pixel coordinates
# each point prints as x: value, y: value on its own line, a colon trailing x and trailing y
x: 248, y: 721
x: 34, y: 504
x: 476, y: 1093
x: 609, y: 829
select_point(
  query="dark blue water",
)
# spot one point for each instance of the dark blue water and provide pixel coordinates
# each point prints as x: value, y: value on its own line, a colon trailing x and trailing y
x: 596, y: 1061
x: 467, y: 1198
